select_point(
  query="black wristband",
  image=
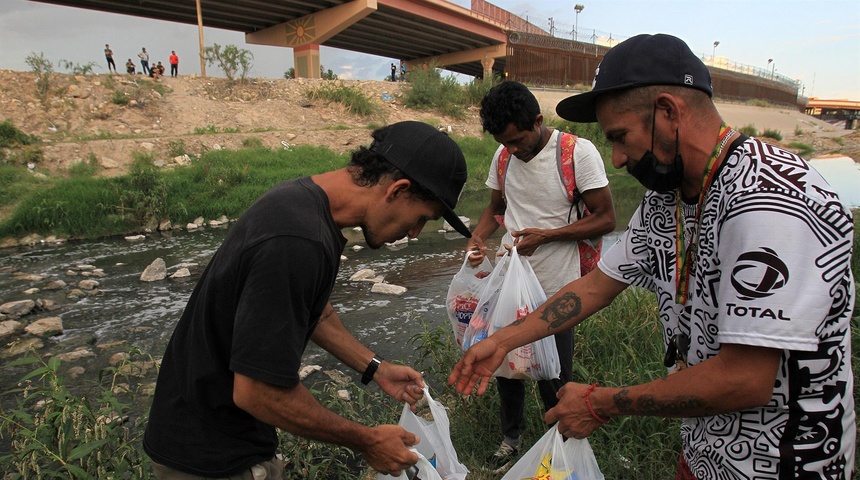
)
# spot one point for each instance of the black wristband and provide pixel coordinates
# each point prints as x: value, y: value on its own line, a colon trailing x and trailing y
x: 367, y: 376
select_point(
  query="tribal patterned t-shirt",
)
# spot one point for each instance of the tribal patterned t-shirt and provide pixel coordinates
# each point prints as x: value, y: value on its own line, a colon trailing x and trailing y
x: 773, y: 269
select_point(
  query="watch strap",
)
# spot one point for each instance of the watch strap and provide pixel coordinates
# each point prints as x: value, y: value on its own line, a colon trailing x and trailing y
x: 367, y: 376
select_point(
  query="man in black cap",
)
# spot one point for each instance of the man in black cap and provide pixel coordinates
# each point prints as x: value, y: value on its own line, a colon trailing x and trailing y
x: 748, y: 251
x: 229, y: 375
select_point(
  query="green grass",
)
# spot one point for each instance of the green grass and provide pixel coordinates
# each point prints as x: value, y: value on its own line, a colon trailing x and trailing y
x: 802, y: 149
x: 355, y: 101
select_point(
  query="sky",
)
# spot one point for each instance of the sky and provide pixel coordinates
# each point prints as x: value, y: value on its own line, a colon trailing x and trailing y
x: 815, y: 42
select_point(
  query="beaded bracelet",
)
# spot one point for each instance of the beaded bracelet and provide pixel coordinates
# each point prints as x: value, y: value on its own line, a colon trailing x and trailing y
x: 590, y: 408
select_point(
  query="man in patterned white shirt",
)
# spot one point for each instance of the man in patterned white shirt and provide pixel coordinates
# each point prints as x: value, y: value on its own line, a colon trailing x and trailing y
x: 748, y: 251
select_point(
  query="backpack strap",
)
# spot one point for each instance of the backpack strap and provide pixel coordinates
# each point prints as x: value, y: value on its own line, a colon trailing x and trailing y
x: 589, y: 250
x: 566, y: 145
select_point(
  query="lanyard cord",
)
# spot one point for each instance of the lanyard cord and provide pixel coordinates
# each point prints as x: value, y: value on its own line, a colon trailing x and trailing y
x: 685, y: 256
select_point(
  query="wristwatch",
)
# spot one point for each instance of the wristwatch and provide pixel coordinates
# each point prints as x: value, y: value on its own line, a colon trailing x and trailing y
x: 367, y: 376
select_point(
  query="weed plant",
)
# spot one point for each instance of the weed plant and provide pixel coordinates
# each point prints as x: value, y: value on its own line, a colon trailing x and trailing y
x: 802, y: 149
x: 428, y: 90
x: 12, y: 137
x: 771, y: 133
x: 355, y: 101
x: 44, y: 70
x: 57, y: 434
x: 749, y: 130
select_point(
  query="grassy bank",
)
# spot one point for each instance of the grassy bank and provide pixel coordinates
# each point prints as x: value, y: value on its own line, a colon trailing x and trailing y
x: 222, y: 182
x: 57, y: 434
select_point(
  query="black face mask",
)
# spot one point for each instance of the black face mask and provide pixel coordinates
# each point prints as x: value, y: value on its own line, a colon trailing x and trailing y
x: 657, y: 176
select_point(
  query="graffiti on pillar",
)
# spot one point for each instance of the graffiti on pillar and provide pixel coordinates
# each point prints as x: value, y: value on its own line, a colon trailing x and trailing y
x: 300, y: 31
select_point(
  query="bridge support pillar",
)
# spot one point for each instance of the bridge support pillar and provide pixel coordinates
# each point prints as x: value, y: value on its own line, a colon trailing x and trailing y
x: 487, y: 63
x: 306, y: 59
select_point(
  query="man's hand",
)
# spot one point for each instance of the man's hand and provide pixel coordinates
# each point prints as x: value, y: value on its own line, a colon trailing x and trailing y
x: 572, y: 414
x: 477, y: 366
x: 389, y: 452
x: 478, y: 250
x: 529, y: 239
x: 400, y: 382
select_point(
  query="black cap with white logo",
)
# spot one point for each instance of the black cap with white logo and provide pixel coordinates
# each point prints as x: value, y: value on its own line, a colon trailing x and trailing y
x: 637, y: 62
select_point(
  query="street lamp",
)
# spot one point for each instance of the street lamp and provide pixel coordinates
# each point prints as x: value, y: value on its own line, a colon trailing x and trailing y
x: 714, y: 53
x: 578, y: 8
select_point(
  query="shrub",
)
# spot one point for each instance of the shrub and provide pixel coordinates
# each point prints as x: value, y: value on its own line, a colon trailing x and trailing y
x: 428, y: 90
x: 119, y: 98
x: 231, y: 60
x: 85, y: 169
x: 771, y: 133
x: 252, y: 142
x: 56, y: 434
x: 802, y: 149
x: 42, y: 67
x: 176, y: 147
x: 749, y: 130
x: 351, y: 97
x: 478, y: 88
x: 145, y: 196
x: 11, y: 136
x: 77, y: 68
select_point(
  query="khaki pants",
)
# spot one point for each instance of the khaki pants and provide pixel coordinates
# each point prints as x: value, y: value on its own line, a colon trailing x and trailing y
x: 270, y: 470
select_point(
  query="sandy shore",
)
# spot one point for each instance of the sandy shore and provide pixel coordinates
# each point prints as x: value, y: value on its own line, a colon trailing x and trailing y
x: 738, y: 115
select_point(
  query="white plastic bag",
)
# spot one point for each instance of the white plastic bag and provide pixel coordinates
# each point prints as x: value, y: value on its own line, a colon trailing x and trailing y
x: 518, y: 294
x: 462, y: 299
x: 435, y: 444
x: 426, y: 471
x: 488, y: 296
x: 554, y: 458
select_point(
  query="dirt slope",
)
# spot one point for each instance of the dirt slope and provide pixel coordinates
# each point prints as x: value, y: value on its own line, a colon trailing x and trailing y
x: 85, y: 116
x: 82, y: 117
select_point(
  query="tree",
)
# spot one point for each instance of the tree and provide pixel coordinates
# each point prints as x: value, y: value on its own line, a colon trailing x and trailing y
x: 42, y: 67
x: 231, y: 60
x: 324, y: 74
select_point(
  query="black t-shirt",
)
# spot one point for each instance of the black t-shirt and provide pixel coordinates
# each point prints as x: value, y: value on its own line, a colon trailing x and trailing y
x: 252, y: 312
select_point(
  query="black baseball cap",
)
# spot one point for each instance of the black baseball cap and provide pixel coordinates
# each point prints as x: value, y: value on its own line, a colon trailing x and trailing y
x: 637, y: 62
x: 430, y: 158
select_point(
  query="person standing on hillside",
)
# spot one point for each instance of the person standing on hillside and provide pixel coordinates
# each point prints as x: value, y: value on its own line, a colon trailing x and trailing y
x: 109, y: 58
x: 144, y: 61
x: 393, y: 73
x: 230, y: 374
x: 174, y: 64
x: 547, y: 225
x: 748, y: 251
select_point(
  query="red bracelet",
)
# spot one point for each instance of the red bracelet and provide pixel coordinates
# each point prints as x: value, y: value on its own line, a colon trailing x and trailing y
x: 590, y: 408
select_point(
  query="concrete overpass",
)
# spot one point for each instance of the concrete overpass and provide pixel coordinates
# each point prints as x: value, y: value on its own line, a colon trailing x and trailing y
x: 418, y: 32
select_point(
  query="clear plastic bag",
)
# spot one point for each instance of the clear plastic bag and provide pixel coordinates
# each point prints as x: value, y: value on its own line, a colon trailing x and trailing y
x: 435, y: 445
x: 462, y: 299
x: 519, y: 293
x: 554, y: 458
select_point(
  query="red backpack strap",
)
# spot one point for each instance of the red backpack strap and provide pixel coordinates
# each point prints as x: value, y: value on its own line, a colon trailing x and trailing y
x: 501, y: 173
x: 566, y: 145
x: 589, y: 251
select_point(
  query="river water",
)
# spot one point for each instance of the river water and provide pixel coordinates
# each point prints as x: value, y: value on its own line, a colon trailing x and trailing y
x: 130, y: 313
x: 143, y: 314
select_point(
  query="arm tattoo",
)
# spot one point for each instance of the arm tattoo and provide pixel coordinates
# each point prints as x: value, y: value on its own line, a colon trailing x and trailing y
x: 647, y: 405
x: 328, y: 312
x: 562, y: 310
